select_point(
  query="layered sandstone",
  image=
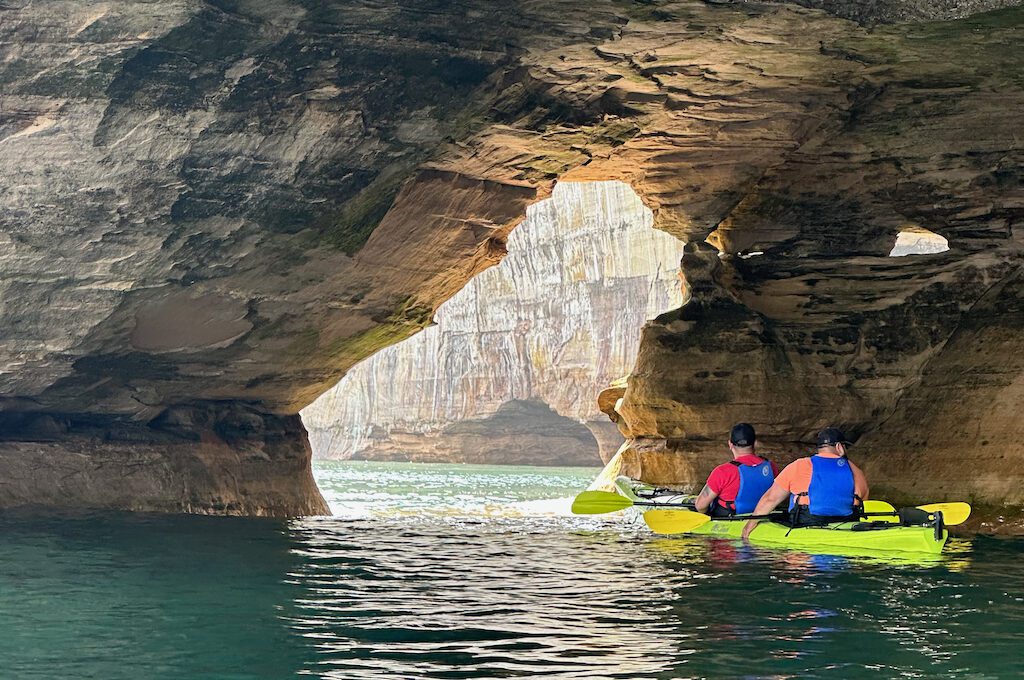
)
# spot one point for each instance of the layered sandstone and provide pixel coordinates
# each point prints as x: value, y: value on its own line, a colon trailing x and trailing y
x: 552, y: 324
x: 214, y: 207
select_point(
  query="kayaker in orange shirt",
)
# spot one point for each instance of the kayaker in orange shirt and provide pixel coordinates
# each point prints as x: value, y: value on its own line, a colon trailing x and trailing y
x: 822, y: 488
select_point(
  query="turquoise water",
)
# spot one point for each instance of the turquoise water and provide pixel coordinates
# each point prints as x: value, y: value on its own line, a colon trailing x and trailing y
x: 473, y: 572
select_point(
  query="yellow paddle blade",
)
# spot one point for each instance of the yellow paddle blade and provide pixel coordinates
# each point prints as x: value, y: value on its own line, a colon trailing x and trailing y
x: 952, y: 513
x: 881, y: 506
x: 663, y: 521
x: 599, y: 502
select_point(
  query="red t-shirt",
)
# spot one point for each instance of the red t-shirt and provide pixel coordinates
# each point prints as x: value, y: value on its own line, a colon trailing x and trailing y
x: 725, y: 479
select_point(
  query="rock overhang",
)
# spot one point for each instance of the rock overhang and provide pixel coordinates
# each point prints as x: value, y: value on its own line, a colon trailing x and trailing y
x: 293, y: 181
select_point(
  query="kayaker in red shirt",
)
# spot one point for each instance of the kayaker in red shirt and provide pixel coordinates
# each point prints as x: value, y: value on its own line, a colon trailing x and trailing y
x: 736, y: 487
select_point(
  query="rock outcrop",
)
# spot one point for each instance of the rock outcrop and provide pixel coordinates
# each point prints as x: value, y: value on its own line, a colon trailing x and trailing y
x: 553, y: 323
x: 221, y: 458
x: 822, y: 326
x: 215, y: 207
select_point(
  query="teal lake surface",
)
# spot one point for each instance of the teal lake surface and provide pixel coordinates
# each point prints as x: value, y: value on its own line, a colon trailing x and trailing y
x: 457, y: 571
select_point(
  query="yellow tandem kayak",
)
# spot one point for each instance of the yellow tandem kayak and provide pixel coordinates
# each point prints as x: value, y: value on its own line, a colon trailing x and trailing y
x: 874, y: 537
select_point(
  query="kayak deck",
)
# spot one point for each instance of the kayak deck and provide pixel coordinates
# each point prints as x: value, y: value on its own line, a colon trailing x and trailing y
x: 841, y: 536
x: 892, y: 538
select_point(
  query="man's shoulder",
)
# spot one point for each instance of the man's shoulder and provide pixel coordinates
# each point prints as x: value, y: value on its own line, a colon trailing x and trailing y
x: 725, y: 468
x: 721, y: 474
x: 798, y: 464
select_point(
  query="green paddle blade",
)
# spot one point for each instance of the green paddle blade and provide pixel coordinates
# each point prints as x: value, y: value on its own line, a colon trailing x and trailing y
x: 872, y: 506
x: 599, y: 502
x: 674, y: 521
x: 952, y: 513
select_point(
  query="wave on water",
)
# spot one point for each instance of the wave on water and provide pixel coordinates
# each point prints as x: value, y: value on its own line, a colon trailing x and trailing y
x: 357, y: 491
x: 544, y: 507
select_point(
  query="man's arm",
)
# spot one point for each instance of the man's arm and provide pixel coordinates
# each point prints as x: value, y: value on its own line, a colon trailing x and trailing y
x: 769, y: 501
x: 860, y: 483
x: 704, y: 499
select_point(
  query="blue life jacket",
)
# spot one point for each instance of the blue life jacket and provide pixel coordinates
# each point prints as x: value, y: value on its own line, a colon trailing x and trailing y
x: 831, y: 492
x: 754, y: 481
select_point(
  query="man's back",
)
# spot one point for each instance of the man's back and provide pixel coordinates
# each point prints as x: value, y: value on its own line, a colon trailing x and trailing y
x: 796, y: 477
x: 725, y: 479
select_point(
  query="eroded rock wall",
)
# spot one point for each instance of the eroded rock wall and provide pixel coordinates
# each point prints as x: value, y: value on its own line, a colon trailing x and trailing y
x: 891, y: 11
x: 235, y: 201
x: 553, y: 323
x: 225, y: 201
x: 824, y: 327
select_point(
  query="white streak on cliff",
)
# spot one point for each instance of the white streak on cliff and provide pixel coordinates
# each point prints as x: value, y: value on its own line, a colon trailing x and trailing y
x: 556, y: 321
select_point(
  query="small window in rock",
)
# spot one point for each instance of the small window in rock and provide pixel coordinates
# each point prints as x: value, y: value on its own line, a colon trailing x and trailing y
x: 918, y: 241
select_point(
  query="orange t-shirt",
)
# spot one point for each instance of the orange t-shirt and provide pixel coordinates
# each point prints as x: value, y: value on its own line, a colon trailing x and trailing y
x: 796, y: 477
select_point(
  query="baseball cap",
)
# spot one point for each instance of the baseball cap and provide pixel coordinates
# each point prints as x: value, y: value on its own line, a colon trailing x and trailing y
x: 742, y: 434
x: 831, y: 436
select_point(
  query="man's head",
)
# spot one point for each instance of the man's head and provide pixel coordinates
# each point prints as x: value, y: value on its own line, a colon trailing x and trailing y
x: 742, y: 439
x: 832, y: 440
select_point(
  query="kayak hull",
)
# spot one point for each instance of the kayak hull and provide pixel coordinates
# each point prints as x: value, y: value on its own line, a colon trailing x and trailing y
x: 838, y: 537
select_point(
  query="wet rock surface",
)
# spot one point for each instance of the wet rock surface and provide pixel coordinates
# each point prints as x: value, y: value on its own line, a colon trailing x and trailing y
x: 317, y: 178
x: 227, y: 459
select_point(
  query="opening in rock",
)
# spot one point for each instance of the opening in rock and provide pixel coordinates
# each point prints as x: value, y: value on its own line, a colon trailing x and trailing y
x: 545, y: 330
x: 918, y: 241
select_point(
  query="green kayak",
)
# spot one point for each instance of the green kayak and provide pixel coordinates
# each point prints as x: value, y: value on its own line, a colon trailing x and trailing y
x: 857, y: 536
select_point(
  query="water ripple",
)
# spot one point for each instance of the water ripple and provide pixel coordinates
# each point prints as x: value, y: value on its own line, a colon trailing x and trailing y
x: 465, y: 590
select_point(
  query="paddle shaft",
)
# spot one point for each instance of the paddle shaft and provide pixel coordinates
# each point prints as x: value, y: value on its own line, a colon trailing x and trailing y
x: 594, y: 502
x: 745, y: 518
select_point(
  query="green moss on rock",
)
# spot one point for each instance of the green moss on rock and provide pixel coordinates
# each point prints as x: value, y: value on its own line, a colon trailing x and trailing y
x: 352, y: 228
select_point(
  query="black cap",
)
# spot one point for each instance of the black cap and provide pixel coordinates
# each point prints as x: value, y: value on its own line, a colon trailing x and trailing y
x: 742, y: 434
x: 831, y: 436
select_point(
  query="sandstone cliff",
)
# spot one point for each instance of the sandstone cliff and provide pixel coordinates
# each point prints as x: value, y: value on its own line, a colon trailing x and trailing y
x: 554, y: 323
x: 218, y: 207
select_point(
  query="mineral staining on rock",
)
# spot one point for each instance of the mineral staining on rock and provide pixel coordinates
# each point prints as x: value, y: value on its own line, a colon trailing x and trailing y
x: 552, y: 324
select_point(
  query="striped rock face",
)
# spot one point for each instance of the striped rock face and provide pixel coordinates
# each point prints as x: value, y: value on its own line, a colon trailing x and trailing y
x: 552, y: 324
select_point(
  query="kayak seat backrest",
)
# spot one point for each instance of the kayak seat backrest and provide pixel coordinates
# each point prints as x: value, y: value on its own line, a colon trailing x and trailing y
x: 914, y: 516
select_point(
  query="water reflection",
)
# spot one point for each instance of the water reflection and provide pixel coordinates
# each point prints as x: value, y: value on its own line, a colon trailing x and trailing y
x: 540, y: 596
x: 470, y: 603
